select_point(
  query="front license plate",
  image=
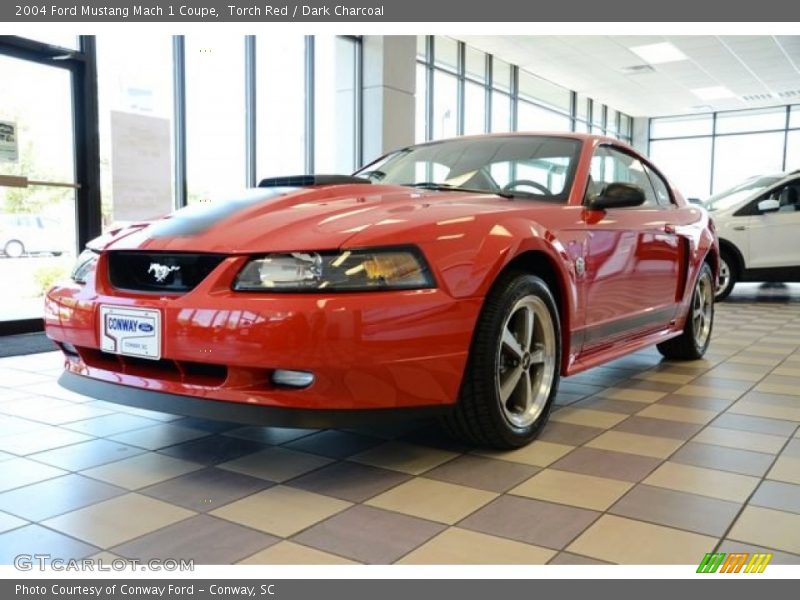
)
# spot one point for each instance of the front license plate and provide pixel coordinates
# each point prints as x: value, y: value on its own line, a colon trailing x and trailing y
x: 131, y: 331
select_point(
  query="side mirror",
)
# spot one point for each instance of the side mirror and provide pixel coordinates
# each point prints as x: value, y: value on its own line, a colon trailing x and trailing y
x: 769, y: 205
x: 618, y: 195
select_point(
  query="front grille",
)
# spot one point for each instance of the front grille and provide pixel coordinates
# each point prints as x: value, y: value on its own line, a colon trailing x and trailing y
x: 160, y: 271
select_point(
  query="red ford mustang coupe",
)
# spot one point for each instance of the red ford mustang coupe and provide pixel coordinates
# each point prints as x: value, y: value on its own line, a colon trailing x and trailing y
x: 460, y: 278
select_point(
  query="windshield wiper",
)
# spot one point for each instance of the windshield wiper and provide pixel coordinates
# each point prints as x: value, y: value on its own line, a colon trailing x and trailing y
x: 446, y: 187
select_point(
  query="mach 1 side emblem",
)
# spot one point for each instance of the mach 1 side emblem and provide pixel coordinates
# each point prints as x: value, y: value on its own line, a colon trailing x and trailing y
x: 161, y: 272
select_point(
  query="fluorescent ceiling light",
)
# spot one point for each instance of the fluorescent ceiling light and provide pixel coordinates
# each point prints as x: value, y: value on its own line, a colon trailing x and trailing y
x: 656, y: 54
x: 715, y: 92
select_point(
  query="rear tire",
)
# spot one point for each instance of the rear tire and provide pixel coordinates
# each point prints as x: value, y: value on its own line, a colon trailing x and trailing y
x: 14, y: 249
x: 693, y: 342
x: 728, y: 275
x: 512, y: 374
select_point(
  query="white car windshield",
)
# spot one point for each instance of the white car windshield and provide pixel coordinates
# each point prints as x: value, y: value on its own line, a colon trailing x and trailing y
x: 731, y: 197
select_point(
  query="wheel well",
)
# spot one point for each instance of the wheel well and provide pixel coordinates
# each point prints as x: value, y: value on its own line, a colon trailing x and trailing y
x: 730, y: 249
x: 540, y: 264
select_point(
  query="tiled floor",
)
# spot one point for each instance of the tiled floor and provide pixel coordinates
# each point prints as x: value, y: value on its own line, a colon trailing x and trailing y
x: 644, y: 461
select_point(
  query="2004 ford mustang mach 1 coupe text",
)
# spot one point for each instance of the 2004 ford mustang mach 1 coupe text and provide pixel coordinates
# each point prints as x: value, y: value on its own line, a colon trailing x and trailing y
x: 460, y: 277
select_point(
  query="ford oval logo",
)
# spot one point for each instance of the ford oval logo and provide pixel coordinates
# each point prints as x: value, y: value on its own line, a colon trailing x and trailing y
x: 145, y: 327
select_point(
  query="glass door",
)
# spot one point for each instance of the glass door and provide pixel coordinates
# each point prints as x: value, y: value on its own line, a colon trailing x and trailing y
x: 38, y: 234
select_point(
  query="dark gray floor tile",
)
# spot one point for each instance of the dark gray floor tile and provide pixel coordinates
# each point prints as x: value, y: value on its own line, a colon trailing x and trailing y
x: 483, y: 473
x: 349, y: 481
x: 204, y: 539
x: 778, y: 495
x: 658, y: 427
x: 531, y: 521
x: 206, y: 489
x: 213, y: 449
x: 607, y: 463
x: 623, y: 407
x: 370, y: 535
x: 710, y: 456
x: 568, y: 558
x: 568, y: 433
x: 677, y: 509
x: 755, y: 424
x: 334, y: 444
x: 56, y: 496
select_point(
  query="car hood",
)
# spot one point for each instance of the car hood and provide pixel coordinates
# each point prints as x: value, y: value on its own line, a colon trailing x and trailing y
x: 313, y: 218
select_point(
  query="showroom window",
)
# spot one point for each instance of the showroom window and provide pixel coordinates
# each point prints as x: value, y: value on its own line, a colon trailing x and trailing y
x: 464, y: 91
x: 710, y: 152
x: 135, y: 92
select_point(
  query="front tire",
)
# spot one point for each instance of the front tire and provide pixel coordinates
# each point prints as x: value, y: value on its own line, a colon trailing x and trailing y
x: 693, y: 342
x: 512, y: 374
x: 728, y: 275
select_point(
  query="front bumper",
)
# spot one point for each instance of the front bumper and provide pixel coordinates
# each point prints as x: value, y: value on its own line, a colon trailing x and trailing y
x: 367, y: 351
x: 235, y: 412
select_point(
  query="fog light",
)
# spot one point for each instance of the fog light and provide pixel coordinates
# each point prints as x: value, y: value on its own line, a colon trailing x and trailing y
x: 299, y: 379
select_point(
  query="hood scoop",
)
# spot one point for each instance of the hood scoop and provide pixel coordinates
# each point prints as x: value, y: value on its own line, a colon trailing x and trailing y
x: 310, y: 180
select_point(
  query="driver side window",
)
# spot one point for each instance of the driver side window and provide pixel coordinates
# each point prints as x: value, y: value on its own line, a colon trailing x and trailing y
x: 612, y: 166
x: 788, y: 197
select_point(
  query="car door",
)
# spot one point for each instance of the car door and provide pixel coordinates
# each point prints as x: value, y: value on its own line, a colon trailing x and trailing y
x: 773, y: 236
x: 633, y: 260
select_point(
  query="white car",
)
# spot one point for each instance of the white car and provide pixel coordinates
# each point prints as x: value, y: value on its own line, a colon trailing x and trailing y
x: 758, y: 224
x: 22, y: 233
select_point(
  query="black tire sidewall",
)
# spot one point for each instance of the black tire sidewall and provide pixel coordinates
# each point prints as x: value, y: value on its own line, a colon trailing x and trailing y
x: 705, y: 270
x: 732, y: 276
x: 505, y: 297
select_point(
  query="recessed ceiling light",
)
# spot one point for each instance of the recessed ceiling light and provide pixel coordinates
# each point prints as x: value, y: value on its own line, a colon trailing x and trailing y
x: 715, y: 92
x: 662, y: 52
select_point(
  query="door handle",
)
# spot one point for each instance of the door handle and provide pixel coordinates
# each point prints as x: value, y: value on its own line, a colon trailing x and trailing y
x: 669, y: 228
x: 739, y: 227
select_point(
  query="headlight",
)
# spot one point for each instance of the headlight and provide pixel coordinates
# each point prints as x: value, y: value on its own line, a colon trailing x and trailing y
x: 346, y: 270
x: 86, y: 263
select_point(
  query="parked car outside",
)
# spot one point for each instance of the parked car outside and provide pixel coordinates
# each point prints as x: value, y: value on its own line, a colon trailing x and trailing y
x: 25, y: 234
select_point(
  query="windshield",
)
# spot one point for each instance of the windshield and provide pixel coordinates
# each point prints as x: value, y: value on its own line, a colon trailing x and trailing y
x: 538, y: 167
x: 731, y: 197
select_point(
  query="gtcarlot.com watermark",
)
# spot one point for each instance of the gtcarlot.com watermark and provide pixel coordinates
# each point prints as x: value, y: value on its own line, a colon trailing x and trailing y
x: 30, y: 562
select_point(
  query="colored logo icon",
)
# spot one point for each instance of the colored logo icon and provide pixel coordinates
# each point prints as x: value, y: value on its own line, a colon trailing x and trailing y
x: 737, y: 562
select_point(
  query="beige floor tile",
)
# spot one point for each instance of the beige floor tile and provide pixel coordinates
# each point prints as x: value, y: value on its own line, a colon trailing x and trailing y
x: 629, y: 542
x: 17, y: 472
x: 404, y: 457
x: 142, y: 470
x: 158, y: 436
x: 118, y: 520
x: 281, y: 510
x: 632, y: 395
x: 678, y: 413
x: 433, y: 500
x: 768, y: 527
x: 742, y: 440
x: 709, y: 392
x: 634, y: 443
x: 754, y: 408
x: 788, y: 372
x: 779, y: 388
x: 665, y: 377
x: 47, y: 438
x: 575, y: 489
x: 289, y: 553
x: 588, y: 417
x: 786, y: 468
x: 702, y: 481
x: 276, y: 464
x: 537, y: 453
x: 457, y: 546
x: 754, y: 360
